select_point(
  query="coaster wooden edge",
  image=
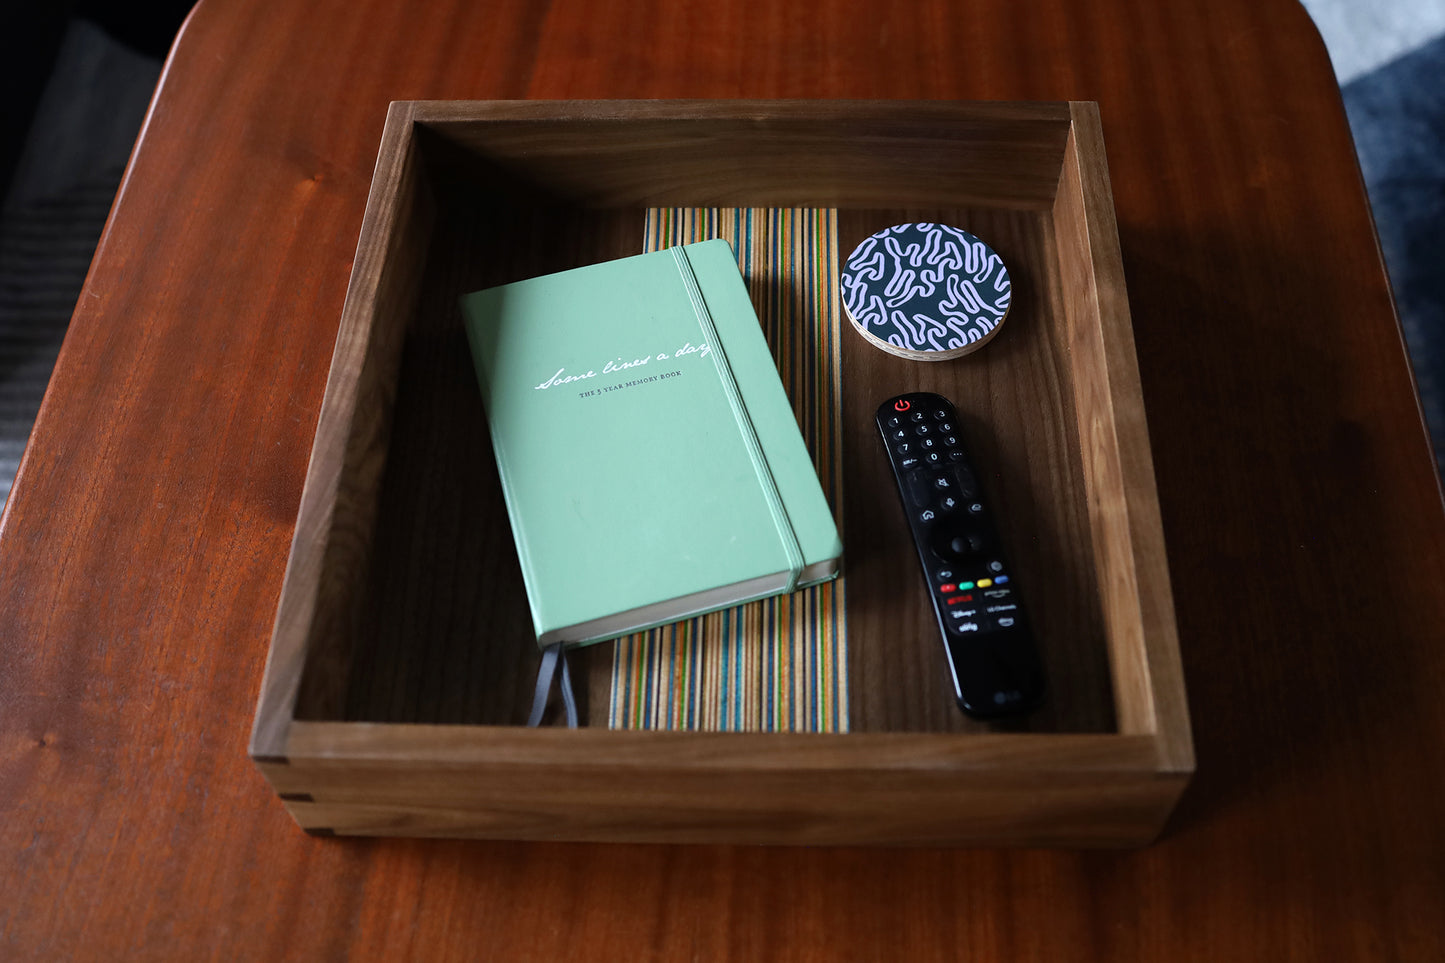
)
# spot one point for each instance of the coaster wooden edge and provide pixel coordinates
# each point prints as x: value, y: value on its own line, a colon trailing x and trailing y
x: 911, y: 355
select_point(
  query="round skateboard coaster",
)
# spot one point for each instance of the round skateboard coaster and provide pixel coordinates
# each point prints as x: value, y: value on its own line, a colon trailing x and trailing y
x: 926, y: 292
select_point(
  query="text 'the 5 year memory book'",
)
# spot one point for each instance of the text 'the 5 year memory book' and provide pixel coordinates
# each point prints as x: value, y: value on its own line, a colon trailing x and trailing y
x: 650, y: 460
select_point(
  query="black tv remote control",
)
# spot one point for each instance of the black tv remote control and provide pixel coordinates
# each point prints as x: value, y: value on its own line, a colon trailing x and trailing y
x: 991, y: 652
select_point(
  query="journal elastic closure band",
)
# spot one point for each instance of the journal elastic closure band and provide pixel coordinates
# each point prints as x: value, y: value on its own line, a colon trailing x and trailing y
x: 774, y: 498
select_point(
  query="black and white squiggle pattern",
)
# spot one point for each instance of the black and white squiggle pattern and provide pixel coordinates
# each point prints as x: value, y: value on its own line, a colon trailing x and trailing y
x: 925, y: 287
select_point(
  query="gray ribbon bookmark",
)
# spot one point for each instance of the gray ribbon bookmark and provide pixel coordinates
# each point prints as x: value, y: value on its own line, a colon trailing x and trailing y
x: 552, y: 655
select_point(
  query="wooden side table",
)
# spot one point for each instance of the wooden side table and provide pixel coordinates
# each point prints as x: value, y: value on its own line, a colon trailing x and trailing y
x: 143, y: 546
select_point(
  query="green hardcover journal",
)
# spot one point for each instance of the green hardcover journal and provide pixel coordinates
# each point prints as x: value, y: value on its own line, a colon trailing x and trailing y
x: 649, y: 458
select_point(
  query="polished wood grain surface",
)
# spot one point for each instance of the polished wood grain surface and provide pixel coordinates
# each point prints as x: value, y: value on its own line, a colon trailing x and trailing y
x: 142, y: 550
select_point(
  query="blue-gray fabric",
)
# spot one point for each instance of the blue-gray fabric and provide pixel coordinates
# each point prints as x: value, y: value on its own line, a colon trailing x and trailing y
x: 1397, y: 114
x: 74, y: 155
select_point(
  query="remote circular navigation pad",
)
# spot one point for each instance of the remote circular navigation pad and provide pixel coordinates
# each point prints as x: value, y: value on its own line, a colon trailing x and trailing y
x: 927, y: 292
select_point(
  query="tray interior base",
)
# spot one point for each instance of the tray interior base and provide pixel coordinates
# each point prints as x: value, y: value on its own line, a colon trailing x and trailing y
x: 444, y: 633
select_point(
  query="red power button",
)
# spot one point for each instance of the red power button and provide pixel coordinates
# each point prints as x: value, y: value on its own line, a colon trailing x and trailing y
x: 901, y: 405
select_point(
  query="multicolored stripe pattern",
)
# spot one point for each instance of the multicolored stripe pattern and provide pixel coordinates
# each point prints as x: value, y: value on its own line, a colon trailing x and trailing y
x: 777, y: 665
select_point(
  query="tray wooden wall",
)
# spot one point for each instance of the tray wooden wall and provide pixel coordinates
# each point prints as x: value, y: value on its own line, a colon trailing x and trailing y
x: 403, y: 602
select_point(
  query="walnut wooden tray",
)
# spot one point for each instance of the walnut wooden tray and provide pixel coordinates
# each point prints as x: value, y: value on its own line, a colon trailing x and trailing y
x: 402, y: 663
